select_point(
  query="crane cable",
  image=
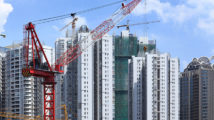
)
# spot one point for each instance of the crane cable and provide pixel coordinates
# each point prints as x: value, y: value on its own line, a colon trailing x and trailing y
x: 50, y: 19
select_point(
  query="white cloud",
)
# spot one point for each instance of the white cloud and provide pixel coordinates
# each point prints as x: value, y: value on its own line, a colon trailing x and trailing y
x: 55, y: 27
x: 201, y: 11
x: 207, y: 24
x: 67, y: 24
x: 165, y: 10
x: 5, y: 10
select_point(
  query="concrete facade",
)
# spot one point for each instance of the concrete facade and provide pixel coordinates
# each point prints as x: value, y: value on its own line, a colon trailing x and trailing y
x: 22, y: 95
x: 154, y: 87
x: 103, y: 79
x: 89, y: 80
x: 136, y: 67
x: 85, y: 80
x: 2, y: 81
x: 162, y: 88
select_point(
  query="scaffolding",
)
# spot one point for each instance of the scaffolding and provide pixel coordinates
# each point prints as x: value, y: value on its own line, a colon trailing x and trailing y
x: 125, y: 47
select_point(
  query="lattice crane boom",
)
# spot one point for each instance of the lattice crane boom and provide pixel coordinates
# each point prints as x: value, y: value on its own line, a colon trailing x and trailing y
x: 96, y: 34
x: 31, y: 41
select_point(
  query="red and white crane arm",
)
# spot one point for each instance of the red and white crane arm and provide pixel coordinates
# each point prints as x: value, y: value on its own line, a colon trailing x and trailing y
x: 35, y: 67
x: 96, y: 34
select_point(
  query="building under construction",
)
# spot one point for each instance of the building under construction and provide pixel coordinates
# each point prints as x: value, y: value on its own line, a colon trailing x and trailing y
x: 27, y: 59
x: 126, y: 46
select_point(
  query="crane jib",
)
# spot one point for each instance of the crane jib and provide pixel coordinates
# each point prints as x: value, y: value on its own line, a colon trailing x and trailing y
x: 31, y: 39
x: 102, y: 29
x: 108, y: 24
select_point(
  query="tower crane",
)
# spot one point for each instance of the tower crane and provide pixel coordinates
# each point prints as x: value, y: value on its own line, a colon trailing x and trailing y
x: 135, y: 24
x: 74, y: 18
x: 31, y: 41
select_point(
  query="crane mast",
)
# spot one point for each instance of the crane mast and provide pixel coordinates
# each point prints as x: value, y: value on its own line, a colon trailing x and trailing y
x: 31, y: 41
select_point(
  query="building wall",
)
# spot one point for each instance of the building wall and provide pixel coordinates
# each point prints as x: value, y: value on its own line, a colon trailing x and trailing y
x: 103, y: 79
x: 210, y: 95
x: 19, y: 90
x: 161, y: 87
x: 135, y: 88
x: 174, y: 94
x: 89, y: 80
x: 125, y: 47
x: 61, y: 45
x: 22, y: 95
x: 71, y: 90
x: 186, y: 95
x: 2, y: 81
x: 85, y: 80
x: 72, y: 86
x: 107, y: 77
x: 196, y: 101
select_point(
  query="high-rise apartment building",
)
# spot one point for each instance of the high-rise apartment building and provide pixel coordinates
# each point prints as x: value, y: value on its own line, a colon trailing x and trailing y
x: 85, y: 78
x: 154, y: 87
x: 2, y: 80
x: 162, y: 83
x: 89, y: 80
x: 196, y: 90
x: 136, y: 82
x: 61, y: 45
x: 22, y: 95
x: 103, y: 79
x: 126, y: 45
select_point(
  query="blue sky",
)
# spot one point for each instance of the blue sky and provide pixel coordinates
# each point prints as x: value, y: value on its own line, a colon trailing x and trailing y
x: 186, y: 29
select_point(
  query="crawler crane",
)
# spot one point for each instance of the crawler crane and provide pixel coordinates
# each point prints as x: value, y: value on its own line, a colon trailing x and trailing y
x: 31, y: 41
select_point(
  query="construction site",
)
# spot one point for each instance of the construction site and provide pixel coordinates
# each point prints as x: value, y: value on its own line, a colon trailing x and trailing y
x: 41, y: 75
x: 106, y: 60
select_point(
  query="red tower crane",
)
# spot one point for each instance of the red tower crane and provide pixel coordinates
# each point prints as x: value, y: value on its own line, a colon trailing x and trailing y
x: 31, y: 41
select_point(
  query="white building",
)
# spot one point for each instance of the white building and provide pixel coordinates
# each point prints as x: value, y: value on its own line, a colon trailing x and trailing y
x: 174, y: 89
x: 103, y: 79
x: 2, y: 81
x: 2, y: 56
x: 85, y: 80
x: 160, y: 87
x: 23, y: 95
x: 136, y: 88
x: 89, y: 80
